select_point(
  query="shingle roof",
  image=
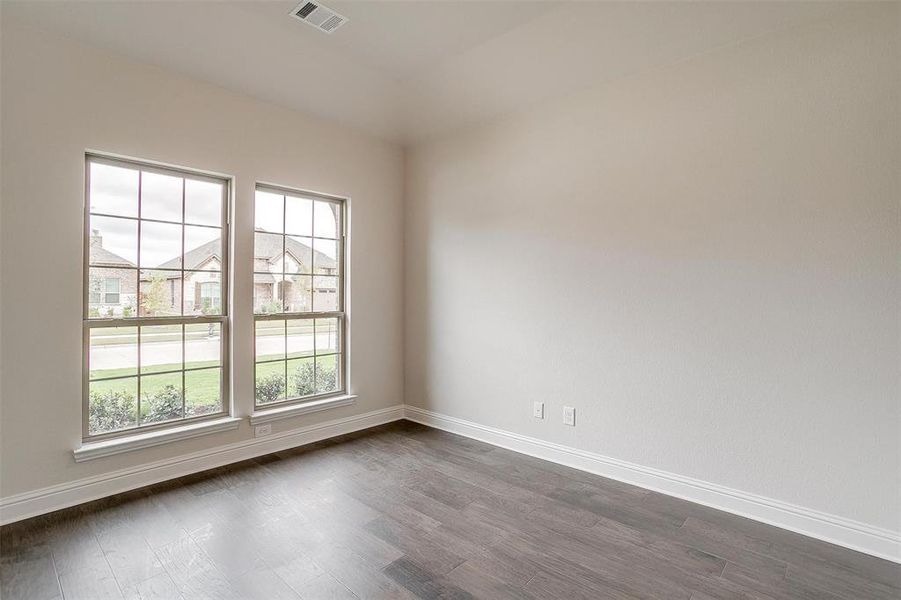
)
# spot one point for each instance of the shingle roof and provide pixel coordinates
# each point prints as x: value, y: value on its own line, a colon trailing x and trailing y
x: 265, y: 246
x: 102, y: 257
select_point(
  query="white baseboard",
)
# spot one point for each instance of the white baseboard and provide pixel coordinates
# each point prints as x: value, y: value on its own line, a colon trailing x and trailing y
x: 49, y: 499
x: 830, y: 528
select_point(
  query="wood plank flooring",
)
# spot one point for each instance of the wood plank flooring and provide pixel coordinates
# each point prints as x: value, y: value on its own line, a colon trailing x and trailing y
x: 404, y: 511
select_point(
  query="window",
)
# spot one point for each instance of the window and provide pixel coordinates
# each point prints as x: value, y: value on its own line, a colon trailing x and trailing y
x: 111, y: 290
x: 298, y: 296
x: 151, y: 359
x: 105, y: 290
x: 209, y: 295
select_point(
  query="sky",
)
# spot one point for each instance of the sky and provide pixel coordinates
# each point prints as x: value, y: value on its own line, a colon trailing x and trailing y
x: 114, y: 191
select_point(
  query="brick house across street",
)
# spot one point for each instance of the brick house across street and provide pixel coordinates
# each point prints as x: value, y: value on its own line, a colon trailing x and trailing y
x: 295, y: 276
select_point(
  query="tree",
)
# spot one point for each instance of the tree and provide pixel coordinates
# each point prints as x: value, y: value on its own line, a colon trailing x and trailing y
x: 154, y: 299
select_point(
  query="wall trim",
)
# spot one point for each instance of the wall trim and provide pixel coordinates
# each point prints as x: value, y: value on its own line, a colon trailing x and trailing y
x: 834, y: 529
x: 48, y: 499
x: 848, y: 533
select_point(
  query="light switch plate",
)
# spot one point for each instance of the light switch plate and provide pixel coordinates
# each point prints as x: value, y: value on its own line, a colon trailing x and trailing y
x: 569, y: 416
x: 538, y: 410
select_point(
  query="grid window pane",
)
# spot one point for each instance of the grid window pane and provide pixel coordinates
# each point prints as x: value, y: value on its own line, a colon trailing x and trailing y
x: 203, y: 248
x: 161, y: 348
x: 267, y: 251
x: 265, y: 293
x: 298, y: 216
x: 270, y: 382
x: 325, y: 219
x: 325, y: 257
x: 203, y: 345
x: 297, y: 296
x: 145, y: 263
x: 270, y: 340
x: 300, y: 338
x: 327, y: 373
x: 162, y: 398
x: 113, y: 352
x: 328, y: 336
x: 203, y: 293
x: 160, y: 294
x: 325, y: 293
x: 269, y: 212
x: 113, y: 242
x: 203, y: 202
x: 161, y: 197
x: 298, y: 254
x: 203, y: 392
x: 112, y: 405
x: 114, y: 190
x: 112, y: 293
x: 160, y: 245
x: 301, y: 377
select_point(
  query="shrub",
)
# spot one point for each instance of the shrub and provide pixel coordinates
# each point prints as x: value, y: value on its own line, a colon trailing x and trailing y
x: 304, y: 383
x: 270, y: 388
x: 127, y: 311
x: 326, y: 378
x: 164, y: 405
x: 111, y: 410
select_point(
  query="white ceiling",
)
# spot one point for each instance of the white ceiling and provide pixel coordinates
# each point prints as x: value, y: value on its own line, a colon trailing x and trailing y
x: 405, y: 70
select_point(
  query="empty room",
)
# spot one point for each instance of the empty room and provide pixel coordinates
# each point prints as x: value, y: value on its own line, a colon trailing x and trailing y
x: 449, y: 299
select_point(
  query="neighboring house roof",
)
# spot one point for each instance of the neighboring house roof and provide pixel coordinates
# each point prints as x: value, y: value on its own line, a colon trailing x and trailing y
x: 265, y: 247
x: 102, y: 257
x: 196, y: 258
x: 269, y: 247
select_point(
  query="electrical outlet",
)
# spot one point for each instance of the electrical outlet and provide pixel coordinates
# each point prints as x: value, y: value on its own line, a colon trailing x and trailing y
x: 261, y: 430
x: 569, y: 416
x: 538, y: 410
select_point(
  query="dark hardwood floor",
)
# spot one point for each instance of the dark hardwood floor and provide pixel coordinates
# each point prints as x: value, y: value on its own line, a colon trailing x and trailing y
x: 404, y: 511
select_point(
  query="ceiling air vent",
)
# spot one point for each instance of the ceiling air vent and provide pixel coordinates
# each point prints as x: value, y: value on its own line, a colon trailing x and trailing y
x: 320, y: 17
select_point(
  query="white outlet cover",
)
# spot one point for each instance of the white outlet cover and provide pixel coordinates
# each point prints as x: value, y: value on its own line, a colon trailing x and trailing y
x: 261, y: 430
x: 538, y: 410
x: 569, y: 416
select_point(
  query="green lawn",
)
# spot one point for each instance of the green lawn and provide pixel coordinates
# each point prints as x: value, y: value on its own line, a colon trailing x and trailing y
x: 202, y: 388
x: 268, y: 369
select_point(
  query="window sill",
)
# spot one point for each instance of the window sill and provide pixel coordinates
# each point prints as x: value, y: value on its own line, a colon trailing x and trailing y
x: 285, y: 412
x: 92, y: 450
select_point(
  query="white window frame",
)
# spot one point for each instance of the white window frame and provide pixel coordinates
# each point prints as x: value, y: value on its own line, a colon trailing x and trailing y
x: 89, y: 323
x: 340, y: 314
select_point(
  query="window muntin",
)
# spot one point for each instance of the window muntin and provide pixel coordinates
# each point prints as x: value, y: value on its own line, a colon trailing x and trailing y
x: 300, y: 323
x: 153, y: 356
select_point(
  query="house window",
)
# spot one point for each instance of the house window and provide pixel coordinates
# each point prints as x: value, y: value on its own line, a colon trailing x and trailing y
x: 209, y: 296
x: 151, y: 360
x: 104, y: 290
x: 300, y: 323
x: 111, y: 290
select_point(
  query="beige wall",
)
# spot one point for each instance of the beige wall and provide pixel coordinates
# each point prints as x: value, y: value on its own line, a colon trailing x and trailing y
x: 703, y: 260
x: 58, y: 99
